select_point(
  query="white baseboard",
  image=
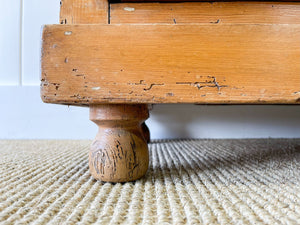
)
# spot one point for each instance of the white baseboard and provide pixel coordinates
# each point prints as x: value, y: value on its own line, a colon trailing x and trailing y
x: 24, y: 116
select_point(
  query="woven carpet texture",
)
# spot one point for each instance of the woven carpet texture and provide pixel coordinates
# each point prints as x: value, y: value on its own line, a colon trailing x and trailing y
x: 188, y: 182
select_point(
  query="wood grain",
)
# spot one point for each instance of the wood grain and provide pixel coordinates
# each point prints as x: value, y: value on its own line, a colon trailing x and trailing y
x: 206, y: 12
x: 230, y: 63
x: 84, y: 12
x: 119, y: 152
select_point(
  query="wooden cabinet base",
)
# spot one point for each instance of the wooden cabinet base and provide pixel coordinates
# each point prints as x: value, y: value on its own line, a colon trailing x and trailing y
x: 118, y: 57
x: 119, y: 152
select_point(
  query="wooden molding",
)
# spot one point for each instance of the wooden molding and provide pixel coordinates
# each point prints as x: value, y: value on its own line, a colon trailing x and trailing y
x: 84, y: 12
x: 259, y: 12
x: 196, y: 63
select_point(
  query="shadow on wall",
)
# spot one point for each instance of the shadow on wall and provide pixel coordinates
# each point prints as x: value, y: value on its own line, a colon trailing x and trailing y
x: 224, y: 121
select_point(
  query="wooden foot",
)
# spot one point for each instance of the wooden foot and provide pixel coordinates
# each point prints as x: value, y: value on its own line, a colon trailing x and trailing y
x: 119, y: 152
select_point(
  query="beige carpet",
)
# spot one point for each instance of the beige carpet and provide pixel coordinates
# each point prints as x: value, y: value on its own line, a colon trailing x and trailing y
x: 189, y: 182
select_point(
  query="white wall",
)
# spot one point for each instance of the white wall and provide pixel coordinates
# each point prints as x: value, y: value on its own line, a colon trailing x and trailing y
x: 23, y: 115
x: 10, y: 42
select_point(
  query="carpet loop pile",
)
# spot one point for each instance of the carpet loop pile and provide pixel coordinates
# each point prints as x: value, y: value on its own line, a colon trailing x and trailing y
x: 188, y: 182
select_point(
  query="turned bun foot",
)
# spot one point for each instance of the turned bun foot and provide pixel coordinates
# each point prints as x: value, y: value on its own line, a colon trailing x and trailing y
x: 119, y: 152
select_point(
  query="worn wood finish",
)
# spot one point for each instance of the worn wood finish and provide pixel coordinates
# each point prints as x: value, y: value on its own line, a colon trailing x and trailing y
x: 206, y: 12
x: 240, y: 54
x: 119, y: 152
x: 84, y: 12
x: 206, y: 63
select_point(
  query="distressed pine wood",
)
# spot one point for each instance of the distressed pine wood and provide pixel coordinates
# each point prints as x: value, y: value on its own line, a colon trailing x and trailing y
x: 196, y: 63
x: 84, y: 12
x: 242, y: 53
x: 119, y: 152
x: 206, y: 12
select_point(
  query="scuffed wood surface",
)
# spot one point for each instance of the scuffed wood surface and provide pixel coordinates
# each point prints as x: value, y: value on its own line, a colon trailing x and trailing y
x: 84, y: 12
x: 211, y: 63
x: 119, y: 152
x: 206, y: 12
